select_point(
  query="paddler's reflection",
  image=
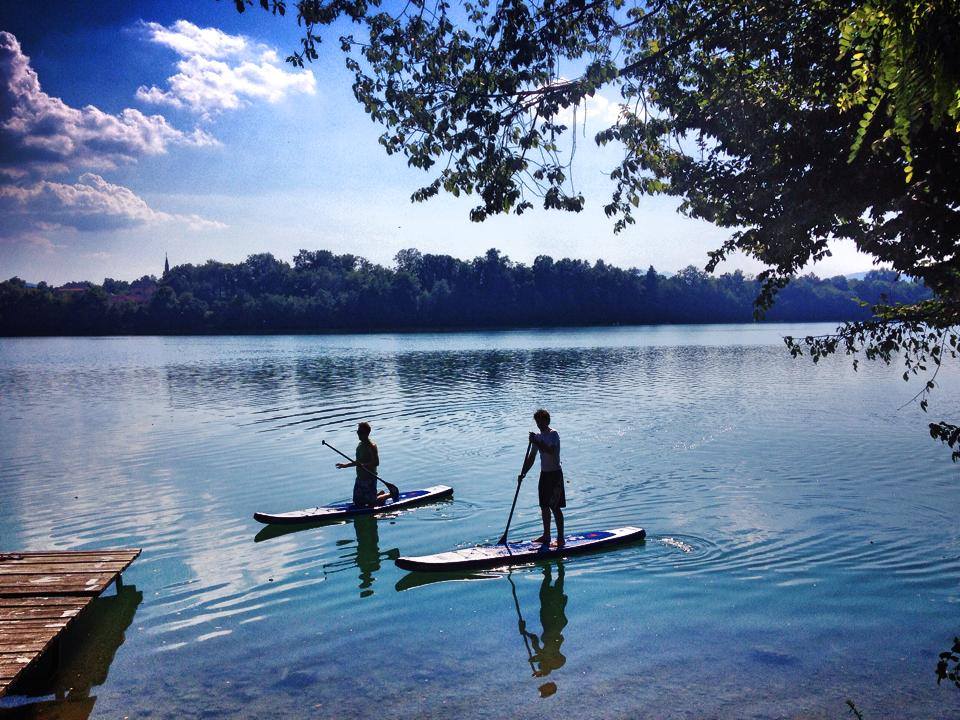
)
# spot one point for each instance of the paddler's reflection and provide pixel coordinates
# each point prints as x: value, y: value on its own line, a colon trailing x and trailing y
x: 543, y: 651
x: 368, y: 556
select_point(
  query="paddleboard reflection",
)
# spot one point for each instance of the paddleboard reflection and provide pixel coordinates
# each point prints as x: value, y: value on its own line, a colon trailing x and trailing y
x: 269, y: 532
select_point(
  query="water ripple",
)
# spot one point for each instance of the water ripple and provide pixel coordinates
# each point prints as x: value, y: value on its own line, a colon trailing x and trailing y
x: 775, y: 494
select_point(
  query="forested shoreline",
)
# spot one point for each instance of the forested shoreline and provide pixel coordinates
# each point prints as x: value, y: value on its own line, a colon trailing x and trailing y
x: 322, y: 291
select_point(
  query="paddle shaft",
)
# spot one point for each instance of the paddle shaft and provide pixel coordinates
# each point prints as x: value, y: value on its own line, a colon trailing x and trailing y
x: 394, y: 490
x: 503, y: 538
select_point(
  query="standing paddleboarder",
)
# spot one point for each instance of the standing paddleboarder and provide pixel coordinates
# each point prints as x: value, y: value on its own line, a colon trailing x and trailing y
x: 367, y: 460
x: 550, y: 490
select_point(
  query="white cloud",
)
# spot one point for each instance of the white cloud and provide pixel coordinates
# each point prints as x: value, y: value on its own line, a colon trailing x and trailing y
x: 40, y: 134
x: 187, y: 39
x: 37, y: 239
x: 595, y: 113
x: 600, y: 109
x: 91, y: 204
x: 219, y: 72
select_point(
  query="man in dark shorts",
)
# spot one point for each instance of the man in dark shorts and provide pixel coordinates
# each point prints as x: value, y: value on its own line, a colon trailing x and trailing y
x: 550, y: 490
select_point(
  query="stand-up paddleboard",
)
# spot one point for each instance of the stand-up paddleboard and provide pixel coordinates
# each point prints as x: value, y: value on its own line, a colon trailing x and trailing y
x: 348, y: 509
x: 521, y: 552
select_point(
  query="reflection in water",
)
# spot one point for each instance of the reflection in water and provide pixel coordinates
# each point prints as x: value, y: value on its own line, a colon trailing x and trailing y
x: 367, y: 556
x: 736, y: 453
x: 419, y: 579
x: 368, y: 552
x: 268, y: 532
x: 87, y: 650
x: 543, y: 652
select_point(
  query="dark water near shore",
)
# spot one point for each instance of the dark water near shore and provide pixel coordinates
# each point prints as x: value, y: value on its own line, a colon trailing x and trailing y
x: 803, y: 540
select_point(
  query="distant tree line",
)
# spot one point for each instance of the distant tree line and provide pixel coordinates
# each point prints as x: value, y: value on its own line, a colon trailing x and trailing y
x: 322, y: 291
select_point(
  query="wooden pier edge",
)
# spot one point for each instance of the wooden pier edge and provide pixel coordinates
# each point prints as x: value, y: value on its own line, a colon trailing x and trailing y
x: 42, y: 593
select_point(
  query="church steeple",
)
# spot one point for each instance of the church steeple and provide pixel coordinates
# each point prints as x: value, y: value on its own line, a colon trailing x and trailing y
x: 166, y: 265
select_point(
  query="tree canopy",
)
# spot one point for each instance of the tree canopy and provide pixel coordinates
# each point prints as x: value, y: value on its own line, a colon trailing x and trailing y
x: 323, y: 292
x: 792, y: 123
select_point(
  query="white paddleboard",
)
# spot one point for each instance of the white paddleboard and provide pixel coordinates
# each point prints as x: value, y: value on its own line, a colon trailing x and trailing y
x: 348, y: 509
x: 520, y: 552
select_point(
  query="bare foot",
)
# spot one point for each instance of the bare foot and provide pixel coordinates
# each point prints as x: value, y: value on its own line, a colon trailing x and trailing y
x: 561, y: 542
x: 543, y: 540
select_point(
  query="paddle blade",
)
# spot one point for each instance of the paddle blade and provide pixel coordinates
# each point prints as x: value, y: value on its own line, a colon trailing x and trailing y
x: 393, y: 490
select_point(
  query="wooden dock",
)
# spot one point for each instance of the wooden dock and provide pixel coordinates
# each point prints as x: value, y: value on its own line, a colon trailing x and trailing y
x: 41, y: 593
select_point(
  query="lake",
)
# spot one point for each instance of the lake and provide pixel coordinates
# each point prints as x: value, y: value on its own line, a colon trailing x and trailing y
x: 803, y: 545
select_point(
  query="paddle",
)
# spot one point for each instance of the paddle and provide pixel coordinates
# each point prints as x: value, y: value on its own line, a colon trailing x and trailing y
x: 522, y: 625
x: 393, y: 489
x: 503, y: 538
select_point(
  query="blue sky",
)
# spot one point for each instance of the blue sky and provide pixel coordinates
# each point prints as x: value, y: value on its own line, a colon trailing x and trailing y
x: 130, y: 130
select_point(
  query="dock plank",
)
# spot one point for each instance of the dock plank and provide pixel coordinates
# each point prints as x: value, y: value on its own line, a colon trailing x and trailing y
x: 7, y: 642
x: 68, y: 556
x: 8, y: 647
x: 41, y: 593
x: 73, y: 568
x: 14, y: 665
x: 57, y: 612
x: 39, y: 601
x: 36, y: 621
x: 20, y: 585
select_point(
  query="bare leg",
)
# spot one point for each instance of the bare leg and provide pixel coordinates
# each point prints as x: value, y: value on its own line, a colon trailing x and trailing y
x: 558, y: 514
x: 545, y: 538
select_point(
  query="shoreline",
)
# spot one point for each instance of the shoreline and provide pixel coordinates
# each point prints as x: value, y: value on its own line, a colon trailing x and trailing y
x: 438, y: 330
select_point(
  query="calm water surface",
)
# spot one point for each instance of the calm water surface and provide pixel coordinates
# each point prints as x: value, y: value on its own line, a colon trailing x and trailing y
x: 803, y: 545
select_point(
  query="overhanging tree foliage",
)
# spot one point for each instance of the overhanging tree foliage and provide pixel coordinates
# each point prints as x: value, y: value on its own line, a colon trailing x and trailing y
x: 792, y: 123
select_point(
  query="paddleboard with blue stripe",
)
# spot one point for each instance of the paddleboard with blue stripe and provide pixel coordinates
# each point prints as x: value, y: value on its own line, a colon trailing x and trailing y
x: 520, y: 552
x: 338, y: 511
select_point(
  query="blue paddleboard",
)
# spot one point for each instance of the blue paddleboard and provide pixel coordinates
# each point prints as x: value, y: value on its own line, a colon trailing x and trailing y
x: 348, y: 509
x: 520, y: 552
